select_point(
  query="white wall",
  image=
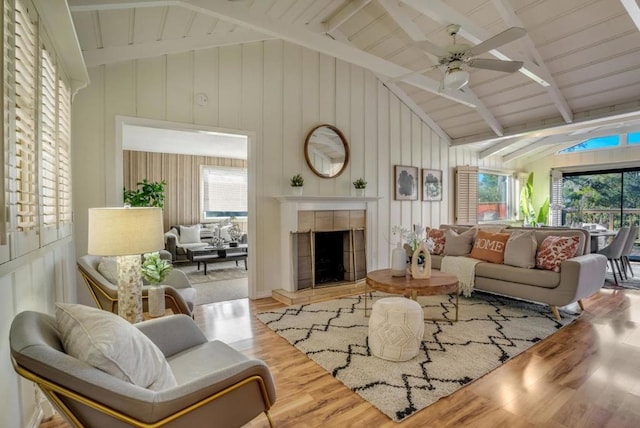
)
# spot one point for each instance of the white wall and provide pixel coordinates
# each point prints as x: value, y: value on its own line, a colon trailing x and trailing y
x: 278, y: 91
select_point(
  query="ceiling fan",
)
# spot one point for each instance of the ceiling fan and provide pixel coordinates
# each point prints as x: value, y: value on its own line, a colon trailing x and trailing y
x: 453, y: 56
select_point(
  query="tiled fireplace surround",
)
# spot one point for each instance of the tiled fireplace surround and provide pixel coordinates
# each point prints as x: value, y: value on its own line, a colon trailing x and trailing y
x: 302, y: 217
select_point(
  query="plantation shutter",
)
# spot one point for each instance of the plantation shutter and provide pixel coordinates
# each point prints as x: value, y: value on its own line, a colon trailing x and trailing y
x: 26, y: 165
x: 7, y: 118
x: 556, y: 198
x: 466, y: 202
x: 48, y: 148
x: 65, y: 217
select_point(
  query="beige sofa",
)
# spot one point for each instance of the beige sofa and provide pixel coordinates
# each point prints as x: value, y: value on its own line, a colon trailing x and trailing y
x: 579, y: 277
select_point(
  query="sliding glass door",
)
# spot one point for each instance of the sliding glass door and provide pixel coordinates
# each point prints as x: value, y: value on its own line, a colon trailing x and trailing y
x: 609, y: 199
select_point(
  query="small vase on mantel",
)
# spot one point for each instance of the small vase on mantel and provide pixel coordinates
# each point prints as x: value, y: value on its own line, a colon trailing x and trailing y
x: 297, y: 190
x: 421, y: 271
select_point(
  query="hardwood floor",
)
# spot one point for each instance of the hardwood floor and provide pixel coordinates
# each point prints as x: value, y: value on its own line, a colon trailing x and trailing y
x: 588, y: 374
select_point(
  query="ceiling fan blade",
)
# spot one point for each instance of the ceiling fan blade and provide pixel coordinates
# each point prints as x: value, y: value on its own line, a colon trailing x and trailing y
x: 496, y: 65
x: 508, y: 35
x: 432, y: 48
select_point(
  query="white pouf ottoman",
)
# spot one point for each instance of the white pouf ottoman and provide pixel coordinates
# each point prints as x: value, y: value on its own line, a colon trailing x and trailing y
x: 396, y: 327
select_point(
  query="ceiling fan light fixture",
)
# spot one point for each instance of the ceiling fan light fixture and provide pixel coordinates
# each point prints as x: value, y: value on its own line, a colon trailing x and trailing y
x: 455, y: 78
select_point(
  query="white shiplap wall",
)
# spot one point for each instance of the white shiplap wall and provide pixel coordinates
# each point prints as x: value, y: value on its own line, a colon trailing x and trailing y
x: 277, y: 91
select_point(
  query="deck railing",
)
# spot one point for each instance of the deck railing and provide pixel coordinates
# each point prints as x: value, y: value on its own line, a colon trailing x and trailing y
x: 612, y: 219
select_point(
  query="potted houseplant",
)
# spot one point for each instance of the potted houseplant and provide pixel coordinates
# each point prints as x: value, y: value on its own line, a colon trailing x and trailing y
x: 235, y: 234
x: 360, y: 185
x: 296, y: 183
x: 149, y: 194
x: 155, y: 271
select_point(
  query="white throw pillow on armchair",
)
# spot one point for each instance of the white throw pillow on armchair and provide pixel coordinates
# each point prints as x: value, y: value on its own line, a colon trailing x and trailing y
x: 190, y: 234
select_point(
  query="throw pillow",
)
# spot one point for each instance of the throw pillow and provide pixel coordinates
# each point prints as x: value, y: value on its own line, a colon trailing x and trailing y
x: 224, y: 232
x: 458, y: 244
x: 554, y: 250
x: 190, y: 234
x: 521, y: 249
x: 438, y: 238
x: 109, y: 343
x: 108, y: 267
x: 489, y: 246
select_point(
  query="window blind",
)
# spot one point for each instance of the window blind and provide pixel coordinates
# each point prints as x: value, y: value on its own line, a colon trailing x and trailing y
x: 466, y: 206
x: 224, y: 189
x: 25, y: 123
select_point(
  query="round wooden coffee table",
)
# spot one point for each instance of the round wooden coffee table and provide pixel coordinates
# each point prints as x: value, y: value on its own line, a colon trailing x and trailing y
x: 438, y: 284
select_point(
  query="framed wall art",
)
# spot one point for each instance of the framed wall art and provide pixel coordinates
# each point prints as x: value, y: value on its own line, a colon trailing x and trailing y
x: 406, y: 183
x: 431, y: 185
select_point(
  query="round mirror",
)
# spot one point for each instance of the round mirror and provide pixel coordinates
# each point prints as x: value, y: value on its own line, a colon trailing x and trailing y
x: 326, y: 151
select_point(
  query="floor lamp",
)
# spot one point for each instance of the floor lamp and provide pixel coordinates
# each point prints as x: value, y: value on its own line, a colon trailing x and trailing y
x: 126, y: 233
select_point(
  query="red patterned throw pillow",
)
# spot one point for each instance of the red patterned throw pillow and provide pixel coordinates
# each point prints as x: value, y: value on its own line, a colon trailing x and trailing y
x: 438, y: 238
x: 554, y: 250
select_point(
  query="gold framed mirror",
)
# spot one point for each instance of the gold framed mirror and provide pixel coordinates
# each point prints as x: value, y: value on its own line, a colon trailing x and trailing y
x: 326, y: 151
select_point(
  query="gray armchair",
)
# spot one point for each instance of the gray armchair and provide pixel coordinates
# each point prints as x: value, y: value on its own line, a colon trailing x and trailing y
x: 217, y: 385
x: 179, y: 295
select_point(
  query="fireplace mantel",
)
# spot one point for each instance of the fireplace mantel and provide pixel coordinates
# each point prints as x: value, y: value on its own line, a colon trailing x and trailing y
x: 329, y: 199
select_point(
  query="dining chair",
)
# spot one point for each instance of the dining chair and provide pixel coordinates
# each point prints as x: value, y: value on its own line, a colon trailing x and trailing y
x: 613, y: 251
x: 628, y: 247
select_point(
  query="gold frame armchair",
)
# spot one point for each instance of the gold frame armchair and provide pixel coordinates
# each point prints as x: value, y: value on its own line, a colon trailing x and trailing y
x: 179, y: 295
x: 216, y: 385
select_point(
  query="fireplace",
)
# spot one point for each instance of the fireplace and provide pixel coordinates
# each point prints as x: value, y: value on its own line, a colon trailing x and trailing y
x: 329, y: 248
x: 328, y: 263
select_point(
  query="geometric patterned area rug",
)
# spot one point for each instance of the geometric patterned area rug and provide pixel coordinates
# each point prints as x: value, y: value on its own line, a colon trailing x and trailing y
x: 491, y: 330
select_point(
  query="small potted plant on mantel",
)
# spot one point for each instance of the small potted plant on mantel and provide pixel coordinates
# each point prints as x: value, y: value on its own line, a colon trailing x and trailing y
x: 360, y: 185
x: 296, y: 184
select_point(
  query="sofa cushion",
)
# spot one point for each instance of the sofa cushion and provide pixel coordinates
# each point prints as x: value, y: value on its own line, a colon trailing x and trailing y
x: 534, y: 277
x: 489, y: 246
x: 521, y: 249
x: 108, y: 267
x: 438, y: 238
x: 458, y: 244
x: 554, y: 250
x: 190, y: 234
x: 113, y: 345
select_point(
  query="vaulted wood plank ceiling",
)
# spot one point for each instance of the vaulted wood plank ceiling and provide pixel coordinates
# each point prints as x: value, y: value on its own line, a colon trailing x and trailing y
x: 581, y: 73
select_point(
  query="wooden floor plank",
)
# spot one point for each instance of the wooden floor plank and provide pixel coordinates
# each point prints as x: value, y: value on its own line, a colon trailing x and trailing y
x: 588, y: 374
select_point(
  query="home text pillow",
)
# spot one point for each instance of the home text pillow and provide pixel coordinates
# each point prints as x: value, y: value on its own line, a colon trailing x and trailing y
x: 108, y: 267
x: 554, y: 250
x: 458, y: 244
x: 489, y: 246
x: 109, y: 343
x: 521, y: 249
x: 190, y: 234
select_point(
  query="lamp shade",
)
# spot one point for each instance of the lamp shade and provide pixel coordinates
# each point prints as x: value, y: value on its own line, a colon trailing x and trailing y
x: 456, y: 78
x: 125, y: 231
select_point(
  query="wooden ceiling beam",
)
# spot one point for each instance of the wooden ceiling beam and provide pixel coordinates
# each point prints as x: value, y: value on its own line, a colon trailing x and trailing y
x: 633, y: 9
x: 415, y: 33
x: 512, y: 20
x: 342, y: 15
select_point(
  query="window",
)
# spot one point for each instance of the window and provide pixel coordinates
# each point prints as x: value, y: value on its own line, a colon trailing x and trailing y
x: 495, y: 192
x: 633, y: 138
x: 223, y: 191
